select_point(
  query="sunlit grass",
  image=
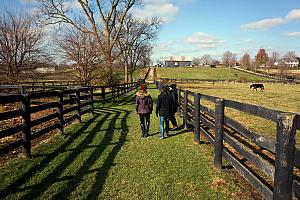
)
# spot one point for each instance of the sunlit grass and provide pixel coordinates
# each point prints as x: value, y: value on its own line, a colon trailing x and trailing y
x: 106, y: 158
x: 284, y: 97
x: 206, y: 73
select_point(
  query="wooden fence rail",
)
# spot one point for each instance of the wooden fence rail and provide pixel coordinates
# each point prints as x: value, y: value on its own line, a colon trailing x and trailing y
x: 270, y: 166
x: 64, y: 105
x: 170, y: 80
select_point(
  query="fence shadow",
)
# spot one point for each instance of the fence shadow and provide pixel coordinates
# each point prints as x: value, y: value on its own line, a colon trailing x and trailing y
x: 74, y: 145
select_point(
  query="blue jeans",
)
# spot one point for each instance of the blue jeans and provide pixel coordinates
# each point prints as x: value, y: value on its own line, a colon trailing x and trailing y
x: 164, y: 126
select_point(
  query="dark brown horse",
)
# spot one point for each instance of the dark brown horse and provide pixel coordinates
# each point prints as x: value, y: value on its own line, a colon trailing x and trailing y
x: 257, y: 85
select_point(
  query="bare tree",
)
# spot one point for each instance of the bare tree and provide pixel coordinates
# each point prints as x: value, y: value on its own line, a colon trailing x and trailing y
x: 206, y: 59
x: 196, y: 61
x: 290, y: 56
x: 20, y: 45
x: 105, y: 20
x: 82, y: 49
x: 135, y: 42
x: 275, y: 56
x: 229, y: 59
x: 245, y: 61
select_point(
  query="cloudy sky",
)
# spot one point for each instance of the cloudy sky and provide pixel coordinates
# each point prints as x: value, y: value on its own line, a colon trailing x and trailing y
x: 197, y: 27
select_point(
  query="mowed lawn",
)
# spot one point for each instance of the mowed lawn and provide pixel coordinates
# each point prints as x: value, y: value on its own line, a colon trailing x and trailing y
x: 105, y: 157
x: 221, y: 73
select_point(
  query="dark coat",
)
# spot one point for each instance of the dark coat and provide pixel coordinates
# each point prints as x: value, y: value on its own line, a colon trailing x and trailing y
x: 174, y: 95
x: 164, y: 105
x: 144, y: 103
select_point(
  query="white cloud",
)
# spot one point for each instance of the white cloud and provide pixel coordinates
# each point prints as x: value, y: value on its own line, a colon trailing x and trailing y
x: 293, y: 34
x: 266, y: 24
x: 204, y: 40
x: 263, y: 25
x: 293, y: 15
x: 163, y: 9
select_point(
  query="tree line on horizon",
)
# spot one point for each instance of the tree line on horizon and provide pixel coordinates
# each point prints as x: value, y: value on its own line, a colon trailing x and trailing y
x: 261, y: 60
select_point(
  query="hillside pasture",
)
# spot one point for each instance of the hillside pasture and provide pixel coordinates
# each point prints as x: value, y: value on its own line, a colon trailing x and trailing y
x: 206, y: 73
x: 284, y: 97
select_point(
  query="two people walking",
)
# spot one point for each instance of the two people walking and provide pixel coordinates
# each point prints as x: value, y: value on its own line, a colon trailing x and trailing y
x: 166, y: 108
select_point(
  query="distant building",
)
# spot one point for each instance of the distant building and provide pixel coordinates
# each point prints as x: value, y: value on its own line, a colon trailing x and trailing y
x: 178, y: 61
x: 293, y: 63
x: 45, y: 69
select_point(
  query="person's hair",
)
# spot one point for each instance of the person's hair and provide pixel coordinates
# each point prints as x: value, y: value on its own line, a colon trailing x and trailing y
x: 164, y: 88
x: 143, y: 87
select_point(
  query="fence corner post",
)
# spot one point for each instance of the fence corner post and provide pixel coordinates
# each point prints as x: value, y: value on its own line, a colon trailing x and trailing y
x: 219, y: 130
x: 26, y: 135
x: 185, y: 111
x: 197, y: 118
x: 284, y: 156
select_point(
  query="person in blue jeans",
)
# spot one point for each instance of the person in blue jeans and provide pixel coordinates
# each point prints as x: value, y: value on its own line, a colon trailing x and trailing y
x: 164, y: 109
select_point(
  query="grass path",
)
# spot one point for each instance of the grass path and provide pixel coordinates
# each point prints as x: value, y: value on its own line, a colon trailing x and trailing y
x: 106, y: 158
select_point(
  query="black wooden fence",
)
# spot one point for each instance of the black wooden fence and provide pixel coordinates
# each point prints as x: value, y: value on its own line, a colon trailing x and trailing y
x: 271, y: 167
x: 282, y: 78
x: 171, y: 80
x: 65, y: 106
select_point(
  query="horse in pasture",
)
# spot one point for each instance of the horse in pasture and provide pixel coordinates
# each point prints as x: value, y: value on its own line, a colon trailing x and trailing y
x: 257, y: 85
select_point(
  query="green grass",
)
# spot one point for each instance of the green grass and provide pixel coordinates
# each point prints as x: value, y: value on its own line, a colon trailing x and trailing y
x: 284, y: 97
x: 206, y: 73
x: 105, y: 158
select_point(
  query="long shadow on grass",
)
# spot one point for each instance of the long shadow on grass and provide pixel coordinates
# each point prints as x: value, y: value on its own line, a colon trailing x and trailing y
x: 36, y: 190
x: 16, y: 185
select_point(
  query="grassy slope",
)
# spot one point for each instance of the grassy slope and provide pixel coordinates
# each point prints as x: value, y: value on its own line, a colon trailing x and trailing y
x: 105, y: 158
x: 206, y: 73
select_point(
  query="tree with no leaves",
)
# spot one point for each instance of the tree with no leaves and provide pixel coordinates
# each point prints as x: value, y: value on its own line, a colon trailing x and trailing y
x: 105, y: 20
x: 20, y: 45
x: 290, y: 56
x: 135, y: 42
x: 229, y: 59
x: 196, y: 61
x: 206, y: 59
x: 82, y: 49
x: 246, y: 61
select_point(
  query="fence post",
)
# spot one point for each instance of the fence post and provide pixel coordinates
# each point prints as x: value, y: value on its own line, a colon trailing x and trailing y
x: 26, y: 135
x: 92, y: 99
x: 219, y: 122
x: 284, y: 156
x: 179, y: 100
x: 185, y: 112
x: 197, y: 118
x: 103, y: 94
x: 60, y: 112
x: 78, y: 105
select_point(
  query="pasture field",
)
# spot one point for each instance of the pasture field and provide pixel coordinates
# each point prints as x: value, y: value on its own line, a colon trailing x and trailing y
x: 292, y: 72
x: 284, y: 97
x: 207, y: 73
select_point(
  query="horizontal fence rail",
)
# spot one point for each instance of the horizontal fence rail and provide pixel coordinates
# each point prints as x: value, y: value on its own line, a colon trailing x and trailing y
x: 170, y: 80
x: 57, y: 107
x: 270, y: 166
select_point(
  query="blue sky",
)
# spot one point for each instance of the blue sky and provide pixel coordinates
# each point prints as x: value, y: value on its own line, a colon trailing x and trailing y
x: 197, y: 27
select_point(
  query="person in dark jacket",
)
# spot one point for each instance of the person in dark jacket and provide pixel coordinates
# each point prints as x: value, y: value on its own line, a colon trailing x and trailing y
x: 164, y: 110
x: 174, y: 94
x: 144, y: 107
